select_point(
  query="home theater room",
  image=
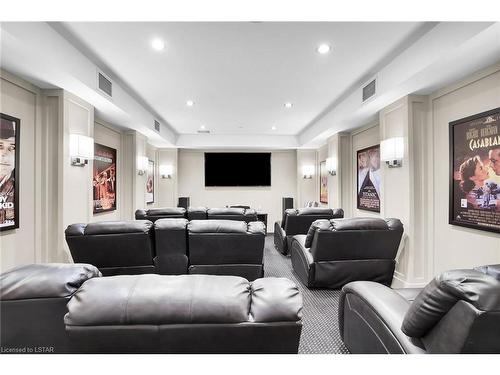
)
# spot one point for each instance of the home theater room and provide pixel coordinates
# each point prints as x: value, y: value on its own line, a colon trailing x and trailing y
x: 238, y: 183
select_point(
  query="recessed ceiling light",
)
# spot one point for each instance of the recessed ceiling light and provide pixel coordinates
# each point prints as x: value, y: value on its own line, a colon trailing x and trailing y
x: 323, y: 48
x: 288, y: 105
x: 273, y: 128
x: 189, y: 103
x: 158, y: 44
x: 202, y: 127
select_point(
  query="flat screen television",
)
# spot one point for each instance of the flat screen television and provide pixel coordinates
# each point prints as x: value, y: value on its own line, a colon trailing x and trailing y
x: 237, y: 169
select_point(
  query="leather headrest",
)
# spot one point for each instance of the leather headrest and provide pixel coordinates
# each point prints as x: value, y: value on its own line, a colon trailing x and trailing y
x: 359, y: 223
x: 226, y: 211
x: 166, y: 211
x: 314, y: 211
x: 109, y: 227
x: 492, y: 270
x: 318, y: 225
x: 443, y: 292
x: 217, y: 226
x: 171, y: 224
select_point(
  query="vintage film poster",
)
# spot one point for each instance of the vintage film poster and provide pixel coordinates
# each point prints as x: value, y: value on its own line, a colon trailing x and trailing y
x: 323, y: 183
x: 368, y: 179
x: 475, y: 171
x: 9, y: 172
x: 104, y: 178
x: 150, y: 182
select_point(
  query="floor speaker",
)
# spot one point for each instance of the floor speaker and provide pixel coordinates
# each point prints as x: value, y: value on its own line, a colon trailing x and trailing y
x: 183, y: 202
x: 286, y: 203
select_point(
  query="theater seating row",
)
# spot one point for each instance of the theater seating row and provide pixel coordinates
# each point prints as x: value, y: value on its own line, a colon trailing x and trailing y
x: 170, y: 246
x: 457, y: 312
x: 197, y: 213
x: 69, y: 308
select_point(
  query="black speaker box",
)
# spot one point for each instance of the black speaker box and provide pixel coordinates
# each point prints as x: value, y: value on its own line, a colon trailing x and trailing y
x: 286, y: 203
x: 183, y: 202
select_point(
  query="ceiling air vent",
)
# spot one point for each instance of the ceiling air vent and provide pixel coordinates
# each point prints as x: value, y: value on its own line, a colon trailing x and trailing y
x: 157, y: 126
x: 104, y: 84
x: 369, y: 90
x: 204, y: 131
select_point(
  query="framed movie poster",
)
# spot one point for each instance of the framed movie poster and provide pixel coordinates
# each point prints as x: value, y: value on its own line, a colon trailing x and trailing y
x: 150, y: 182
x: 368, y: 179
x: 9, y: 172
x: 104, y: 178
x: 475, y: 171
x: 323, y: 183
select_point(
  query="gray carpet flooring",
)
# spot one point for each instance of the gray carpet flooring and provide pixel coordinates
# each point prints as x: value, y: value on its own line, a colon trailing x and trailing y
x: 320, y: 331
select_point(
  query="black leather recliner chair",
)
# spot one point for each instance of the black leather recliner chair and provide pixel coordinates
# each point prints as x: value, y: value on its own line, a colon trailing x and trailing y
x: 298, y: 221
x: 338, y: 251
x: 33, y: 301
x: 457, y: 312
x: 217, y: 247
x: 226, y: 213
x: 154, y: 214
x: 115, y: 247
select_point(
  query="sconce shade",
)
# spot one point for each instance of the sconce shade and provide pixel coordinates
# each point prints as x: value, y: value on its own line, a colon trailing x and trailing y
x: 166, y: 171
x: 392, y: 149
x: 142, y: 164
x: 81, y: 146
x: 308, y: 171
x: 331, y: 166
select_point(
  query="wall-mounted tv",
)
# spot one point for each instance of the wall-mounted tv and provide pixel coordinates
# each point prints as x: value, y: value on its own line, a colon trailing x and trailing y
x: 237, y: 169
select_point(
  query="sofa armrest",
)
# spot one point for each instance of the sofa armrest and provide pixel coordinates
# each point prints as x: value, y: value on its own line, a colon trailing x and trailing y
x: 370, y: 319
x: 279, y: 237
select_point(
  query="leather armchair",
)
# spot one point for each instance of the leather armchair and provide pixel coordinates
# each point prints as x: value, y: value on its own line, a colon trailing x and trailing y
x: 457, y: 312
x: 227, y: 213
x: 33, y: 301
x: 226, y: 247
x: 154, y: 214
x: 298, y: 221
x: 338, y: 251
x: 115, y: 247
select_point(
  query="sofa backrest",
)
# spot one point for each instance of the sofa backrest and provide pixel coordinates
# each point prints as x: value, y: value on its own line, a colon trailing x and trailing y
x: 457, y: 312
x: 298, y: 221
x: 354, y: 238
x: 225, y: 242
x: 33, y: 302
x: 171, y: 246
x: 112, y: 243
x: 154, y: 214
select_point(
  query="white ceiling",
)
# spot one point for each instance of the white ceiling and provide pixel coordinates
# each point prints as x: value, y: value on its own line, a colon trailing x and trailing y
x: 241, y: 74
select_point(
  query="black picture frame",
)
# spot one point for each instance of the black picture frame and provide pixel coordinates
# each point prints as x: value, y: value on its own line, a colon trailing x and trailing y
x: 103, y: 151
x: 453, y: 190
x: 17, y: 137
x: 359, y: 206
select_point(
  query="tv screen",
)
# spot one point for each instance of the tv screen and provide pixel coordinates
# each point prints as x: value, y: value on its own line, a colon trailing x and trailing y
x: 237, y: 169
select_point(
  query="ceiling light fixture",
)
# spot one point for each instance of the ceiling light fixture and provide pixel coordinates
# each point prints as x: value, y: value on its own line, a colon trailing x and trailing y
x: 190, y: 103
x: 202, y: 127
x: 323, y: 48
x: 158, y: 44
x: 288, y: 105
x: 273, y: 128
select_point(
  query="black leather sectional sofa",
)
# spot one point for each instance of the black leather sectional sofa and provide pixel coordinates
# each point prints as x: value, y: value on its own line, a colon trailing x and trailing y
x: 457, y: 312
x: 298, y: 221
x: 197, y: 213
x: 335, y: 252
x: 69, y: 308
x: 170, y: 246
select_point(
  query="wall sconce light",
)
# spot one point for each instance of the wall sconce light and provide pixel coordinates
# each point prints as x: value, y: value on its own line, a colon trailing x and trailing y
x: 392, y: 151
x: 142, y: 165
x: 307, y: 171
x: 331, y: 166
x: 81, y: 149
x: 166, y: 171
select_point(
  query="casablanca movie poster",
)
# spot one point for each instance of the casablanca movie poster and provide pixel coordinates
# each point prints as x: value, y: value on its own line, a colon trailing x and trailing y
x: 104, y: 178
x: 323, y: 183
x: 368, y: 179
x: 150, y: 182
x: 9, y: 172
x: 475, y: 166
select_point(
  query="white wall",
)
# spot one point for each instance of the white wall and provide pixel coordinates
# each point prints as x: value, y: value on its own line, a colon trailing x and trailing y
x: 167, y: 187
x: 307, y: 189
x: 191, y: 183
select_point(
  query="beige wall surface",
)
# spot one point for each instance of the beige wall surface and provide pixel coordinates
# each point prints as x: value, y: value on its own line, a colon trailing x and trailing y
x: 191, y: 183
x: 454, y: 246
x: 17, y: 246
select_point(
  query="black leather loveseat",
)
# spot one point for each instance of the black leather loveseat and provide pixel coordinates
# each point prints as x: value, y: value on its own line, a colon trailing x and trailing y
x: 115, y: 247
x: 457, y: 312
x: 298, y: 221
x: 220, y: 247
x: 335, y: 252
x: 170, y: 246
x: 54, y: 308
